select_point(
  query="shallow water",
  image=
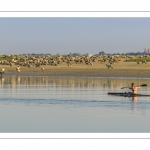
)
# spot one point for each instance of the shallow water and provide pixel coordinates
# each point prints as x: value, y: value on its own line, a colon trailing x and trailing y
x: 71, y: 104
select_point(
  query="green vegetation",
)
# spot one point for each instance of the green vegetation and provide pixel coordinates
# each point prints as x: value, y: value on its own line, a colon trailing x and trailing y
x: 5, y: 57
x: 129, y: 58
x: 2, y: 57
x: 136, y: 58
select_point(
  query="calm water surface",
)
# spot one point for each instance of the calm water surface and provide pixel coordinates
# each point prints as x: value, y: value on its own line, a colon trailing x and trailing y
x: 71, y: 104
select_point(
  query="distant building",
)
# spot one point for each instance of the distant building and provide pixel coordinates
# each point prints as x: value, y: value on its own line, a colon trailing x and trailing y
x: 146, y: 51
x: 102, y: 53
x: 77, y: 54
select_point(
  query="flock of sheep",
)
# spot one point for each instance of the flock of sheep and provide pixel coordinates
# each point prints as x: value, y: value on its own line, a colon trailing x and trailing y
x: 40, y: 61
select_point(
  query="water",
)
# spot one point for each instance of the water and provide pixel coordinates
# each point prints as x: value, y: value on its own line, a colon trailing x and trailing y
x: 71, y: 105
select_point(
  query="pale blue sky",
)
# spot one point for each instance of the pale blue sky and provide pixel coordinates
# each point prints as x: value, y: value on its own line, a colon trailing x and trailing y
x: 75, y: 35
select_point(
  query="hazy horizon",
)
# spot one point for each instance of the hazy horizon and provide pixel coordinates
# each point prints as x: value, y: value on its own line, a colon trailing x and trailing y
x: 73, y: 35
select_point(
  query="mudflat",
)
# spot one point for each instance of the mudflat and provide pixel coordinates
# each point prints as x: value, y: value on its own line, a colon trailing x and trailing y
x: 98, y: 69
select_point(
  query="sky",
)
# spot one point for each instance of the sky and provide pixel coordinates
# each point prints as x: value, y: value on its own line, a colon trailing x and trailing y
x: 54, y: 35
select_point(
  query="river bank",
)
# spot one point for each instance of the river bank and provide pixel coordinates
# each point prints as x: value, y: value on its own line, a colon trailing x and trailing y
x: 121, y: 69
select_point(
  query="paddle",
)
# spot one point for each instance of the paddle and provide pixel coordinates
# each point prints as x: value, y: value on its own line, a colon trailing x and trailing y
x: 140, y: 85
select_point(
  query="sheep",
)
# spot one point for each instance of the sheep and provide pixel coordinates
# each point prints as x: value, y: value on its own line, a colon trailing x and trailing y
x: 42, y: 68
x: 109, y: 66
x: 69, y: 63
x: 2, y: 71
x: 144, y: 62
x: 18, y: 70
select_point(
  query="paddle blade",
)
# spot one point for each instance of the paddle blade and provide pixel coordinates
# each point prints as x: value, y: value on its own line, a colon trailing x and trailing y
x: 124, y: 87
x: 143, y: 85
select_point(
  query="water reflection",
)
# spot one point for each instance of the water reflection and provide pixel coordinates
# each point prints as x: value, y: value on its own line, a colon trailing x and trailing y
x: 134, y: 98
x: 68, y: 104
x: 90, y: 92
x: 14, y: 81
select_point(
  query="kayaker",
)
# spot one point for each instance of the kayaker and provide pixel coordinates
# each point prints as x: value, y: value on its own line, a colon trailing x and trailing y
x: 134, y: 88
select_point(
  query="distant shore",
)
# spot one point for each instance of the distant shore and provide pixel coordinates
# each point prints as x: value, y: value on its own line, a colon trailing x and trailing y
x: 120, y: 69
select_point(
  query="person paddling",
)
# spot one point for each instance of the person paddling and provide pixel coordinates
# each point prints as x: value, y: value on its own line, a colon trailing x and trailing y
x: 134, y: 88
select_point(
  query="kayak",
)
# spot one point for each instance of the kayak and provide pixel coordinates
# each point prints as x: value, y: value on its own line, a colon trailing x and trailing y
x: 126, y: 94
